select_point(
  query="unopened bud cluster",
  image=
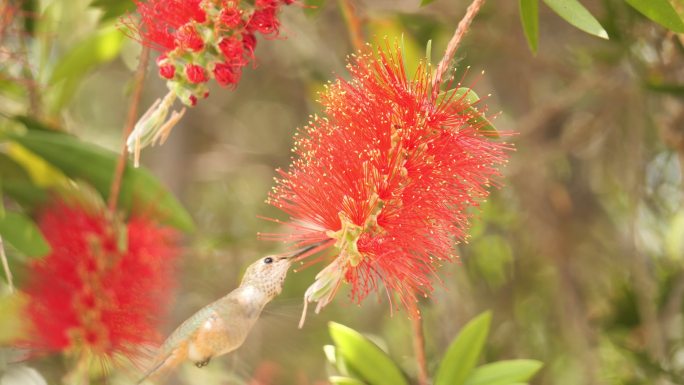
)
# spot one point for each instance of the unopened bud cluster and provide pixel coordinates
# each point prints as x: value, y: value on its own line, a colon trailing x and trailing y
x: 205, y: 39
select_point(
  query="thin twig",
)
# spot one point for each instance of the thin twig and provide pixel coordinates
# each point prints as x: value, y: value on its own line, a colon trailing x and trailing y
x: 450, y: 51
x: 5, y: 265
x: 130, y: 123
x: 353, y: 24
x: 419, y: 343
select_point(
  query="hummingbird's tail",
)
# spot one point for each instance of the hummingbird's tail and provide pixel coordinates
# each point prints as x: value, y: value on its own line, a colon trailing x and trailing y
x: 162, y: 365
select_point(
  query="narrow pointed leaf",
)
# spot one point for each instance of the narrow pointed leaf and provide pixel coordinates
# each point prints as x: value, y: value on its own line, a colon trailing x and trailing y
x: 140, y: 191
x: 477, y: 119
x: 660, y: 11
x: 372, y: 364
x: 19, y: 231
x: 504, y: 372
x: 574, y: 13
x: 464, y: 352
x: 529, y: 16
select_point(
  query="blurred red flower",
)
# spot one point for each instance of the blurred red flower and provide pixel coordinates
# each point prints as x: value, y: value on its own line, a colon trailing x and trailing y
x: 386, y: 177
x: 88, y: 293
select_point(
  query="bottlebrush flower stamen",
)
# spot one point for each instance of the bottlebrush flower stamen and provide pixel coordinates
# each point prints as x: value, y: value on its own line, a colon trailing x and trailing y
x: 388, y: 175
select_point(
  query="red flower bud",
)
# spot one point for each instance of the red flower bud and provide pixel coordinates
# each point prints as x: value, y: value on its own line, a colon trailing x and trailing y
x: 231, y: 18
x: 232, y: 49
x: 260, y: 4
x: 167, y: 71
x: 227, y: 74
x: 264, y: 21
x: 195, y: 74
x: 188, y: 38
x: 249, y: 43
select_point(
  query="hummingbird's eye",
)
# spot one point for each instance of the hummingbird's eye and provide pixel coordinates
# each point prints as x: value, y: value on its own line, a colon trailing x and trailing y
x: 268, y: 260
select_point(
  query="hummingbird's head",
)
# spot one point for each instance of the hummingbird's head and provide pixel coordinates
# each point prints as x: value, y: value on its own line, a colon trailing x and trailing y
x: 268, y: 273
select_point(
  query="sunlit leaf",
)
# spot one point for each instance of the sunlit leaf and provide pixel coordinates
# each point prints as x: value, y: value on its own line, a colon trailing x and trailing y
x: 463, y: 353
x: 660, y: 11
x: 19, y: 231
x: 425, y: 2
x: 391, y: 30
x: 100, y: 48
x: 12, y: 324
x: 140, y: 191
x: 374, y: 366
x: 330, y: 354
x: 339, y: 380
x: 574, y: 13
x: 529, y: 16
x: 674, y: 237
x: 504, y: 372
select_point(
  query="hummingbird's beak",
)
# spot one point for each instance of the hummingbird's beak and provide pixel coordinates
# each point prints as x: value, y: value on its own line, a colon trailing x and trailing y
x: 302, y: 251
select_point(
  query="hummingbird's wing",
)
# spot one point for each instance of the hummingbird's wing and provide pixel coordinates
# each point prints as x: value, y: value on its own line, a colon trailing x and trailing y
x: 175, y: 348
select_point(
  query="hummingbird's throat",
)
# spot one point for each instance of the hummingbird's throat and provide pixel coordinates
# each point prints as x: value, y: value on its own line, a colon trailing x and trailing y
x: 347, y: 237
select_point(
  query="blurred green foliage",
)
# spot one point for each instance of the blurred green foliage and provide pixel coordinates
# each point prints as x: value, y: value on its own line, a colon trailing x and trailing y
x: 580, y: 255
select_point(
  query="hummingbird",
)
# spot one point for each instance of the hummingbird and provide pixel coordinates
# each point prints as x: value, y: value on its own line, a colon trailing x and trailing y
x: 222, y: 326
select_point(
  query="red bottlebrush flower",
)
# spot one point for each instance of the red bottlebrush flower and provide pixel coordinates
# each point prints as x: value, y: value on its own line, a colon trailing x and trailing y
x: 90, y: 294
x: 189, y: 30
x: 160, y: 19
x: 195, y: 74
x: 227, y: 74
x: 386, y: 178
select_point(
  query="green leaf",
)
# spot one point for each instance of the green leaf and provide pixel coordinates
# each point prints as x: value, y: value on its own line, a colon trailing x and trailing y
x: 100, y: 48
x: 113, y: 8
x: 660, y: 11
x: 330, y: 354
x: 30, y: 11
x: 477, y: 119
x: 13, y: 321
x: 17, y: 184
x: 19, y: 231
x: 462, y: 355
x: 425, y: 2
x: 529, y: 16
x: 373, y: 365
x: 140, y: 191
x: 574, y: 13
x: 339, y: 380
x: 504, y: 372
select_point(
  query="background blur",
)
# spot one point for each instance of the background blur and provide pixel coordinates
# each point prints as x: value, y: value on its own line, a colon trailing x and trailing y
x: 580, y: 255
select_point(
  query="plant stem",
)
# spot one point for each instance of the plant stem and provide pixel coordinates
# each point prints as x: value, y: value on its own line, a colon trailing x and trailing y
x: 130, y: 122
x: 461, y: 30
x: 353, y: 24
x: 5, y: 265
x: 419, y: 343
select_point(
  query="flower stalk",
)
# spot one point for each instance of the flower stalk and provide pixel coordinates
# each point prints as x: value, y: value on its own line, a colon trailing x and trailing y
x: 138, y: 83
